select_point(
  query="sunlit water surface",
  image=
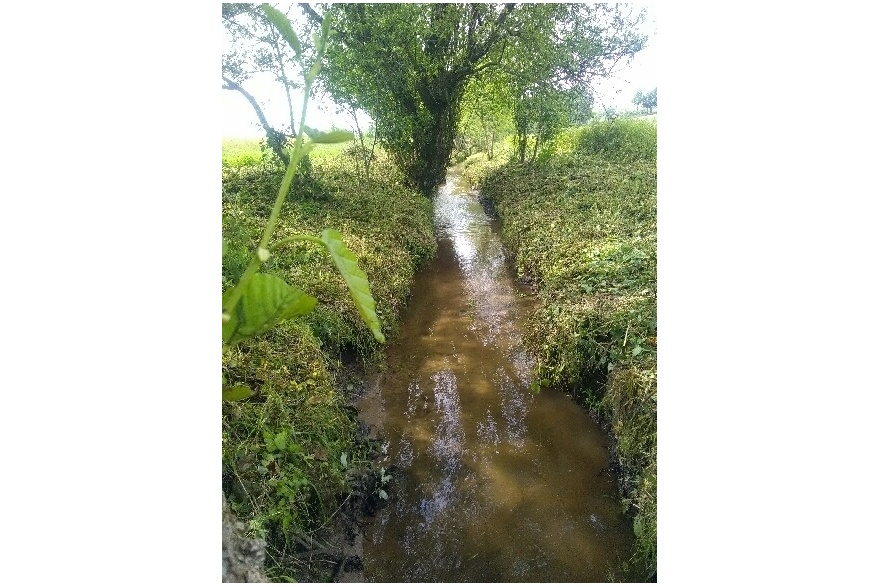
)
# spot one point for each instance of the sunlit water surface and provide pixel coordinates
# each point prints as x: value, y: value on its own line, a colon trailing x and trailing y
x: 494, y: 483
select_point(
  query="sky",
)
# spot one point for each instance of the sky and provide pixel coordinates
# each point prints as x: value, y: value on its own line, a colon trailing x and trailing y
x: 239, y: 120
x: 640, y: 74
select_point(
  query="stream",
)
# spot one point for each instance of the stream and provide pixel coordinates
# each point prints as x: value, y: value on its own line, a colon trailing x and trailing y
x: 492, y: 482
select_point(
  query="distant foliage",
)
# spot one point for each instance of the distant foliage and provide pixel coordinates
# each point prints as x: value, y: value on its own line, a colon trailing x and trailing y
x: 486, y: 114
x: 241, y: 152
x: 648, y: 100
x: 411, y: 66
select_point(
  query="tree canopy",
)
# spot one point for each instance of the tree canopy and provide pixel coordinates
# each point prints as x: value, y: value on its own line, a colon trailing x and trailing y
x: 409, y: 66
x: 648, y: 100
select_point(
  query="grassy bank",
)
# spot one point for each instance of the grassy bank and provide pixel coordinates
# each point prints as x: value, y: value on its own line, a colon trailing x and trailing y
x: 291, y: 451
x: 581, y: 222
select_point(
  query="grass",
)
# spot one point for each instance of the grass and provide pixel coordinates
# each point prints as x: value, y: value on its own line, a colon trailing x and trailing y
x: 581, y: 222
x: 241, y: 152
x: 289, y: 451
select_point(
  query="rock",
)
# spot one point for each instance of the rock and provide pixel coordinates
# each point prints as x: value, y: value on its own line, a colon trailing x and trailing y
x: 243, y: 557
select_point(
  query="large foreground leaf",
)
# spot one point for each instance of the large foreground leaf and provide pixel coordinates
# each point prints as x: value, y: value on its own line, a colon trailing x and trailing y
x: 334, y: 136
x: 265, y: 301
x: 356, y: 279
x: 282, y: 23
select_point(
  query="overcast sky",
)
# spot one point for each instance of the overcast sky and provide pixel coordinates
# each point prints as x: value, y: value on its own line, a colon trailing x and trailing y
x: 239, y: 119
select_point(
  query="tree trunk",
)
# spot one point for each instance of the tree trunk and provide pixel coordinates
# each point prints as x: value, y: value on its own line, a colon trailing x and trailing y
x: 432, y: 149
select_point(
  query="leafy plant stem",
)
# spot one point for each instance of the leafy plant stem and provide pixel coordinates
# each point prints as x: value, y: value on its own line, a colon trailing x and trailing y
x: 299, y: 237
x: 295, y: 159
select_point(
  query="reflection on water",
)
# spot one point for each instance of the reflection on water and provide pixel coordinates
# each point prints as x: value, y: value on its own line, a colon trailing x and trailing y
x: 495, y: 483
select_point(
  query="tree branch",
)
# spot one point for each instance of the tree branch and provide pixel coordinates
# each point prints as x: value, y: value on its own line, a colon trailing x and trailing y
x: 310, y: 12
x: 276, y: 139
x: 480, y: 50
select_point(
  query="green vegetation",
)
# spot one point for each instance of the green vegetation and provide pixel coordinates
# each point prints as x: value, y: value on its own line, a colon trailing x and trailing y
x: 288, y: 451
x: 647, y: 100
x: 241, y: 152
x: 582, y: 224
x: 410, y: 65
x: 262, y: 39
x: 432, y: 77
x: 256, y: 301
x: 288, y: 440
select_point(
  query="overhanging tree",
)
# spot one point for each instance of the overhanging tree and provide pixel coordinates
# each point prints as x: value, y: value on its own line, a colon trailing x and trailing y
x: 556, y: 52
x: 408, y: 65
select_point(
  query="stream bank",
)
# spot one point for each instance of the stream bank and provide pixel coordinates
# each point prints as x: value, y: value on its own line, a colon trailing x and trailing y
x: 581, y: 222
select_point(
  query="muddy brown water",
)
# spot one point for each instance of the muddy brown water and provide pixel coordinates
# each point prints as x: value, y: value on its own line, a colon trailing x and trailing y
x: 493, y: 483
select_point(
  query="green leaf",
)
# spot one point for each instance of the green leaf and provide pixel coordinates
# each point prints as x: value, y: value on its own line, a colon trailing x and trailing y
x: 281, y: 440
x: 383, y: 495
x: 237, y: 393
x: 356, y: 279
x: 637, y: 351
x: 282, y: 23
x: 313, y: 72
x: 334, y: 136
x: 344, y: 460
x: 265, y: 301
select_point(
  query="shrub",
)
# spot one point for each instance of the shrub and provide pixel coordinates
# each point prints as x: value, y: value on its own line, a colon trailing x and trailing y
x: 620, y: 140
